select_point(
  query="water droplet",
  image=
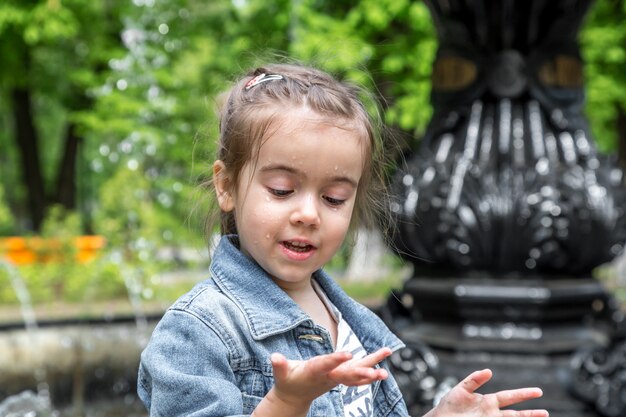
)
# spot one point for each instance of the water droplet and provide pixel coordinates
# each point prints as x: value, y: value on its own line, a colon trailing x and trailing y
x: 133, y: 164
x: 164, y: 28
x: 530, y: 263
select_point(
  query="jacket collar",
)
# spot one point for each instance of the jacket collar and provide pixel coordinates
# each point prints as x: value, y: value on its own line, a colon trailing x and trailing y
x: 270, y: 311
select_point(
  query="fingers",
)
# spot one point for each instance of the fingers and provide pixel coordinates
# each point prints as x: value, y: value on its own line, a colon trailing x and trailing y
x: 374, y: 358
x: 362, y: 367
x: 510, y: 397
x: 362, y: 371
x: 492, y: 402
x: 318, y: 365
x: 371, y: 376
x: 337, y: 366
x: 326, y: 363
x: 354, y: 376
x: 525, y: 413
x: 476, y: 380
x: 280, y: 365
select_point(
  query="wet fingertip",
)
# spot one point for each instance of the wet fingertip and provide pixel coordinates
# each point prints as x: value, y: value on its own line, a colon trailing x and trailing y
x: 342, y: 356
x: 479, y: 372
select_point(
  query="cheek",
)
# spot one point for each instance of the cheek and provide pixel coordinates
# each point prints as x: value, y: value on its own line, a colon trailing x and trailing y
x: 261, y: 212
x: 339, y: 222
x: 348, y: 211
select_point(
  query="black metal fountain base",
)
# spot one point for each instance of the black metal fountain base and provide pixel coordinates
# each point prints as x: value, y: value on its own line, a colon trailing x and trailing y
x: 550, y: 372
x: 507, y: 178
x: 557, y: 334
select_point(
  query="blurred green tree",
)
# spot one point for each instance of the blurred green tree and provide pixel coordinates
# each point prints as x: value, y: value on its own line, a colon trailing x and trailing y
x: 603, y: 42
x: 53, y: 53
x: 95, y: 94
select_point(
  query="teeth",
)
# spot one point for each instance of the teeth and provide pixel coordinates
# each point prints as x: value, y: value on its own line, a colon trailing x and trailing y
x: 298, y: 246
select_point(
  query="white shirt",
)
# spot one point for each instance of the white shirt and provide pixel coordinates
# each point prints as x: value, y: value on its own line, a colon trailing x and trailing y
x: 357, y: 401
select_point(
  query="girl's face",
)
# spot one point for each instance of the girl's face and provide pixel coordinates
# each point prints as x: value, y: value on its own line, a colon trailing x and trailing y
x: 293, y: 207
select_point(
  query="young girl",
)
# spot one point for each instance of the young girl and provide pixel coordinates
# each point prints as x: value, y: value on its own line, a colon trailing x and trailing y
x: 270, y: 334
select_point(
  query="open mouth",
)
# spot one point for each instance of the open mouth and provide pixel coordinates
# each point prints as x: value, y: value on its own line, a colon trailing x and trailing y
x: 300, y: 247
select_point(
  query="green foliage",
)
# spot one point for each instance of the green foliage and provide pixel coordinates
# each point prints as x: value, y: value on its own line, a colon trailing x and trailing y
x: 50, y: 280
x: 140, y: 80
x: 388, y: 46
x: 8, y: 295
x: 104, y: 279
x: 6, y: 218
x: 50, y: 21
x: 61, y: 223
x: 373, y: 292
x: 603, y: 42
x: 60, y: 282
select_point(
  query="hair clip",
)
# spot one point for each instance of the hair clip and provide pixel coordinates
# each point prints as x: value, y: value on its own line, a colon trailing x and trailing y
x: 261, y: 78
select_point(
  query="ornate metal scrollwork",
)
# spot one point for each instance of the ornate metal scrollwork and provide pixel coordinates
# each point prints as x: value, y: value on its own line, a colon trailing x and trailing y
x: 504, y: 210
x: 599, y: 377
x: 507, y: 177
x: 416, y: 368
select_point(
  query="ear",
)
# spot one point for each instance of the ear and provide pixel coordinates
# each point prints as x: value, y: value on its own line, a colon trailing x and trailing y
x: 223, y: 186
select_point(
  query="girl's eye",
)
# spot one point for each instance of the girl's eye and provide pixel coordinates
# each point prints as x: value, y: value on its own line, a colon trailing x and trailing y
x: 334, y: 201
x: 280, y: 193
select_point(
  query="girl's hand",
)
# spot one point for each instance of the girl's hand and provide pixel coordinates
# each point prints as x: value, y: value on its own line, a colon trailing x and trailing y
x: 298, y: 382
x: 462, y: 400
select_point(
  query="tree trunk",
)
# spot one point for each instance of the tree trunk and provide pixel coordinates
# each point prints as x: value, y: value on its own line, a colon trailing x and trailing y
x: 66, y: 171
x: 27, y: 143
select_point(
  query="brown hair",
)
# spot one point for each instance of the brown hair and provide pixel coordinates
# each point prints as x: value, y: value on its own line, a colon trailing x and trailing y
x: 247, y: 117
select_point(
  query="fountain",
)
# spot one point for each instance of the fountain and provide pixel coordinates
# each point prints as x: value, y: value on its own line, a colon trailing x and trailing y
x: 505, y: 210
x: 26, y: 400
x: 71, y: 366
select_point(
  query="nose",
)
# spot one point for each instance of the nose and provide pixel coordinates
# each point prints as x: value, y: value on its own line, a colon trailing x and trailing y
x: 306, y: 211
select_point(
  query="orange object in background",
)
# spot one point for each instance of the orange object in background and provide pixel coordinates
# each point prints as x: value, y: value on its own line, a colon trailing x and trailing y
x: 29, y: 250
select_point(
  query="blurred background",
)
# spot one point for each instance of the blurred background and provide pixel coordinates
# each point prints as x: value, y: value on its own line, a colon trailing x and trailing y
x: 107, y: 130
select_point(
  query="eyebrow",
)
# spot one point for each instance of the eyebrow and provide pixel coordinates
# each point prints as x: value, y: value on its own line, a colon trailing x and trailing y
x: 294, y: 171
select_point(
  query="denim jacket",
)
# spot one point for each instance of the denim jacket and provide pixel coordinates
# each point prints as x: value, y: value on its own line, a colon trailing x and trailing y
x: 210, y: 353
